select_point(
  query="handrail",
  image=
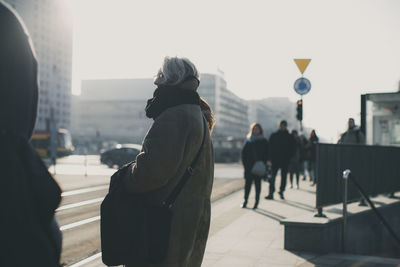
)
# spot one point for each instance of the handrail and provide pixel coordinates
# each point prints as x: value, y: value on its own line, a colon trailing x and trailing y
x: 347, y: 174
x: 376, y: 165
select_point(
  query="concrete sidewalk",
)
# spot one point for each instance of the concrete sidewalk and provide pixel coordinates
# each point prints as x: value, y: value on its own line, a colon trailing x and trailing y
x: 245, y: 237
x: 254, y: 238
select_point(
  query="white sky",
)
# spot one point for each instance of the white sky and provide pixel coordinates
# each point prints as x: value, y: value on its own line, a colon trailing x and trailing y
x: 354, y: 47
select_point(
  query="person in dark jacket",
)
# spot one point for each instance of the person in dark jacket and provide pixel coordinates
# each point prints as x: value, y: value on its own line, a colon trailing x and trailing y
x: 169, y: 147
x: 29, y: 195
x: 312, y: 146
x: 255, y: 149
x: 353, y: 135
x: 281, y: 150
x: 295, y: 162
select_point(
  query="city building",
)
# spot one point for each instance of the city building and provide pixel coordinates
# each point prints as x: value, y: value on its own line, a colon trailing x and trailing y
x: 111, y: 110
x: 380, y: 118
x: 270, y: 111
x: 230, y: 111
x: 50, y: 27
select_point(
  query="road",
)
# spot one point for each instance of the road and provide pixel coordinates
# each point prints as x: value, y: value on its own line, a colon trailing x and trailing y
x: 84, y: 182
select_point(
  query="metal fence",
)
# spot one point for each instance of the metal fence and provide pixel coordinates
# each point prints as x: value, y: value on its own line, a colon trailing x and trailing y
x: 377, y: 169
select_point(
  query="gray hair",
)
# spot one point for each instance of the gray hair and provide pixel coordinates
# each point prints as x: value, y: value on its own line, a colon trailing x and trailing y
x: 175, y: 70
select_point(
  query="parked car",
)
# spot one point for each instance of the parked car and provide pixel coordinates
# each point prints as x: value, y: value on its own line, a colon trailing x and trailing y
x: 120, y: 155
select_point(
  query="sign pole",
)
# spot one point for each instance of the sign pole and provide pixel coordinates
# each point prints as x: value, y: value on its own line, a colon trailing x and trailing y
x: 301, y: 121
x: 302, y: 86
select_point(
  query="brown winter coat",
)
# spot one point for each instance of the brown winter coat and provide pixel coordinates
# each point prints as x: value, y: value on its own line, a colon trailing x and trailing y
x: 168, y: 149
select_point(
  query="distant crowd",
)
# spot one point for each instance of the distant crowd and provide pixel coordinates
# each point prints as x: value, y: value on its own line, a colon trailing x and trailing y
x: 291, y: 153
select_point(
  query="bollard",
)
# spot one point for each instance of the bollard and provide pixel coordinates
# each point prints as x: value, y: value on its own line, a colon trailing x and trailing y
x: 86, y: 165
x: 346, y: 175
x: 320, y: 213
x: 362, y: 203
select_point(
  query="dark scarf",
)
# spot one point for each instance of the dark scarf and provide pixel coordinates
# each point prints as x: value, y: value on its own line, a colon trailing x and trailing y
x: 169, y: 96
x: 254, y: 138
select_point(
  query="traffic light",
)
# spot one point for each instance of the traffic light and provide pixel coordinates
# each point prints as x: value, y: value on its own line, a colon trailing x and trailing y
x: 299, y: 109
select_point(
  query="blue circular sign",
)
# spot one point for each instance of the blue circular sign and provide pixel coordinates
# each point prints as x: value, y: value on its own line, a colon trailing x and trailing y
x: 302, y: 86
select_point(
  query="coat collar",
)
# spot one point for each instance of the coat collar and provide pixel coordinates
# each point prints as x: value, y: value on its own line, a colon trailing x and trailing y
x: 170, y: 96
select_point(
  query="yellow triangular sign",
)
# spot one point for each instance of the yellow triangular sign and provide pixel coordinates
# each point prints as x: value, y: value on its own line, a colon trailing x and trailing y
x: 302, y: 64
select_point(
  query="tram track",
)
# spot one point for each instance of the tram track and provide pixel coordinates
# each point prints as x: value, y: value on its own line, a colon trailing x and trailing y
x: 79, y: 212
x: 81, y: 246
x: 79, y: 217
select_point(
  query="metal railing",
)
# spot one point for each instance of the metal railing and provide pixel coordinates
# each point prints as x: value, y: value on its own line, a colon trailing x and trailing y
x: 377, y: 168
x: 347, y: 175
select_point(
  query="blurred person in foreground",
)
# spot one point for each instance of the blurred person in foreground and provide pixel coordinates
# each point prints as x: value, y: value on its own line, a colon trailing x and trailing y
x: 169, y: 147
x: 295, y: 162
x: 254, y: 150
x: 312, y: 147
x: 353, y: 135
x: 29, y: 196
x: 281, y: 149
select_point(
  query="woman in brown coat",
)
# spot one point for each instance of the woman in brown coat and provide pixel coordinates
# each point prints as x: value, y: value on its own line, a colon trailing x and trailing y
x: 169, y: 147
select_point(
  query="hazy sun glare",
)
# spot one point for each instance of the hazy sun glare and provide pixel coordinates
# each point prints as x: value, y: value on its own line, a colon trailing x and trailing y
x: 353, y: 46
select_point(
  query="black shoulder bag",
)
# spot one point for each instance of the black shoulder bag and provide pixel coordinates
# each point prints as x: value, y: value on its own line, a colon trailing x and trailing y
x: 259, y: 168
x: 133, y: 230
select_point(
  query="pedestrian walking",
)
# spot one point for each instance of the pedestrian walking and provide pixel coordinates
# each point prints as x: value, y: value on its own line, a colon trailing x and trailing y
x: 254, y: 159
x: 353, y: 135
x: 282, y: 147
x: 169, y: 147
x: 295, y: 162
x: 29, y: 196
x: 312, y: 147
x: 304, y: 156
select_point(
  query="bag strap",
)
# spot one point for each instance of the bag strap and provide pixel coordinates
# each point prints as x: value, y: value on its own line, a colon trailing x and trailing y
x: 169, y: 202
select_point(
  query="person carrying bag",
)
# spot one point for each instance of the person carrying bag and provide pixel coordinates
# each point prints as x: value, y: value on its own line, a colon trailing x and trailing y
x: 254, y: 158
x: 131, y: 228
x: 158, y: 210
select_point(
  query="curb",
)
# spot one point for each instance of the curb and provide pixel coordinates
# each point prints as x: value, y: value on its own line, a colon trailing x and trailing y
x: 222, y: 190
